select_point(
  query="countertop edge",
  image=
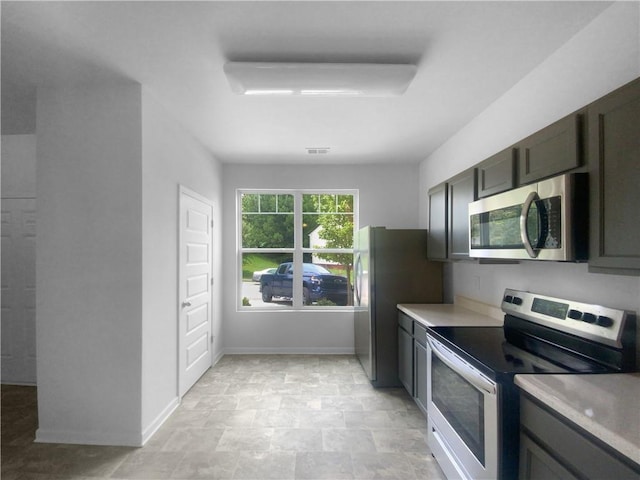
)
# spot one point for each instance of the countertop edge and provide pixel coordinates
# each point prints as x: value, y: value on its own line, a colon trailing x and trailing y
x: 448, y: 314
x: 536, y: 388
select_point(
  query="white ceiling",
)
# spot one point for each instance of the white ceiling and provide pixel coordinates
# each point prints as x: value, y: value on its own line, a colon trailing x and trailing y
x: 468, y: 53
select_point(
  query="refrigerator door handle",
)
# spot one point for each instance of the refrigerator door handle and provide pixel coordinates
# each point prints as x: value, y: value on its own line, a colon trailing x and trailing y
x: 358, y: 282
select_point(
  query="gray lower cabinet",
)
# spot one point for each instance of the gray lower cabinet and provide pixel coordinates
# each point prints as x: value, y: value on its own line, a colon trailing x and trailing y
x: 405, y: 352
x: 412, y: 359
x: 552, y: 447
x: 614, y: 175
x: 438, y: 228
x: 552, y: 150
x: 420, y: 367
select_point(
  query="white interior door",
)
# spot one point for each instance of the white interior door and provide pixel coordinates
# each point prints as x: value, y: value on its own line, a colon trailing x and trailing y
x: 195, y: 287
x: 18, y: 355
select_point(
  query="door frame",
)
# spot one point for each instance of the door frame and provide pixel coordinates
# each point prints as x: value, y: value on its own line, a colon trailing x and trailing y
x: 183, y: 190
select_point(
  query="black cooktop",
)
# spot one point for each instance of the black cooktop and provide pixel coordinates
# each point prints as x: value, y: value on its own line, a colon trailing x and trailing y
x: 488, y: 349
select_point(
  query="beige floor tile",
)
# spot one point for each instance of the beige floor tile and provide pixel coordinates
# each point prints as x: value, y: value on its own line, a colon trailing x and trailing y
x: 251, y: 417
x: 265, y: 466
x: 297, y: 439
x: 323, y: 465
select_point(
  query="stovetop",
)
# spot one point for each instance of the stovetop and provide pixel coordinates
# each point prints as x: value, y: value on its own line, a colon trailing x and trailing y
x: 488, y: 349
x: 544, y: 334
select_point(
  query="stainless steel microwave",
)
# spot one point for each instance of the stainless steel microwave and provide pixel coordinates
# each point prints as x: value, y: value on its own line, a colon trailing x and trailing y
x: 547, y: 220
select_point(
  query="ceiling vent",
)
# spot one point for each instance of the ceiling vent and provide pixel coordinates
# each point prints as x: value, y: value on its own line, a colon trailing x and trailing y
x: 318, y: 150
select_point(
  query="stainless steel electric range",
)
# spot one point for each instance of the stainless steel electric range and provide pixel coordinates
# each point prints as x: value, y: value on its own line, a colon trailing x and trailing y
x: 473, y: 404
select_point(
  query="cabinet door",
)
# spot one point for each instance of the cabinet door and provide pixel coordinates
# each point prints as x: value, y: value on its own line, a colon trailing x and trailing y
x: 537, y: 464
x: 614, y: 165
x: 497, y: 173
x: 420, y: 376
x: 552, y: 150
x: 405, y: 359
x: 437, y: 242
x: 462, y: 191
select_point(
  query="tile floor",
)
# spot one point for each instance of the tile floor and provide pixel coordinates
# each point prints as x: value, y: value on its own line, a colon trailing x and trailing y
x: 249, y: 417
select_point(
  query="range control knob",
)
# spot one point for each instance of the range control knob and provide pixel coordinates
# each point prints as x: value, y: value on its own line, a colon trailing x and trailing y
x: 574, y: 314
x: 604, y: 321
x: 589, y: 317
x: 508, y: 298
x: 517, y: 301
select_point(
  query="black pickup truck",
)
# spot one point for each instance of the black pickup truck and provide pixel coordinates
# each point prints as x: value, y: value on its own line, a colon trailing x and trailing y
x: 317, y: 283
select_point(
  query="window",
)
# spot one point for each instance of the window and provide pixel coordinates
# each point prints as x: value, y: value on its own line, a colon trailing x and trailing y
x: 296, y: 248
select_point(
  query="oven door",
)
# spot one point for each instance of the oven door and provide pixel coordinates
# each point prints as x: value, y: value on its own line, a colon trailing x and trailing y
x: 463, y: 416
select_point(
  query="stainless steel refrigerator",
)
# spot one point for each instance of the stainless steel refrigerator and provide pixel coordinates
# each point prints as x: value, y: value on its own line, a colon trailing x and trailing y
x: 391, y: 267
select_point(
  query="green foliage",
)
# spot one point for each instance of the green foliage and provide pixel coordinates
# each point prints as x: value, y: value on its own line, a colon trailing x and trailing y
x: 337, y: 230
x: 267, y: 231
x: 325, y: 303
x: 246, y: 302
x: 267, y: 220
x: 253, y: 262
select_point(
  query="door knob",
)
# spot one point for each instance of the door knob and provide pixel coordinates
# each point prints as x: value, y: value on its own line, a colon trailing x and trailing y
x: 186, y: 304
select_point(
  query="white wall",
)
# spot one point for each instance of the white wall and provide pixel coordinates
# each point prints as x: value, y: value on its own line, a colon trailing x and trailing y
x: 600, y: 58
x: 88, y: 264
x: 110, y: 161
x: 170, y: 157
x: 18, y: 154
x: 388, y: 197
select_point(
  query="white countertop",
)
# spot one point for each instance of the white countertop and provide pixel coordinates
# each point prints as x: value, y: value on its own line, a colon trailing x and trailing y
x: 464, y: 313
x: 607, y: 406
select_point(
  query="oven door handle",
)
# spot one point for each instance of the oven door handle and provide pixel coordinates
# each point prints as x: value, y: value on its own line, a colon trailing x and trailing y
x: 462, y: 368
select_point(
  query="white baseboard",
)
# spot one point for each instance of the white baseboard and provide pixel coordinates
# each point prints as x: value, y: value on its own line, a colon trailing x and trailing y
x: 130, y: 439
x: 17, y: 383
x: 217, y: 358
x: 159, y: 420
x: 290, y: 351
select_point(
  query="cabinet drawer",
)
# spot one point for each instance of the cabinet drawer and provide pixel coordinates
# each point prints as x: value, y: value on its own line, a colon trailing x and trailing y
x: 420, y: 333
x: 406, y: 322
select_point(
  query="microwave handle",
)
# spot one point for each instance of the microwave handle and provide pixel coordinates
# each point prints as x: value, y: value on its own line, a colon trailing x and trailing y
x: 524, y: 233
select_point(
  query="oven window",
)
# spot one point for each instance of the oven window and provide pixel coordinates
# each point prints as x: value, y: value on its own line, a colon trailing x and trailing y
x: 461, y: 404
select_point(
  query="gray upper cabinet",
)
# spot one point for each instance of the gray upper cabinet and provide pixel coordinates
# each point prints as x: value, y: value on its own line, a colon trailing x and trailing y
x: 497, y: 173
x: 614, y: 175
x: 552, y: 150
x: 462, y: 191
x: 437, y: 242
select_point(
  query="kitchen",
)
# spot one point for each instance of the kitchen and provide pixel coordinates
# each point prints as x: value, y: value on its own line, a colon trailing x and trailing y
x: 557, y: 84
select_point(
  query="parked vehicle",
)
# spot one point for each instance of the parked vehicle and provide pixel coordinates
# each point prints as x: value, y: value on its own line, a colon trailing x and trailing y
x: 317, y: 283
x: 257, y: 275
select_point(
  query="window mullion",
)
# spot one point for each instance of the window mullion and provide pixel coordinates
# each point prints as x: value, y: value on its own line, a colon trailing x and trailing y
x: 297, y: 252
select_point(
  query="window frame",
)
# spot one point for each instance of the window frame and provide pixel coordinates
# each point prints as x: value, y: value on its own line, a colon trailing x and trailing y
x: 297, y: 252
